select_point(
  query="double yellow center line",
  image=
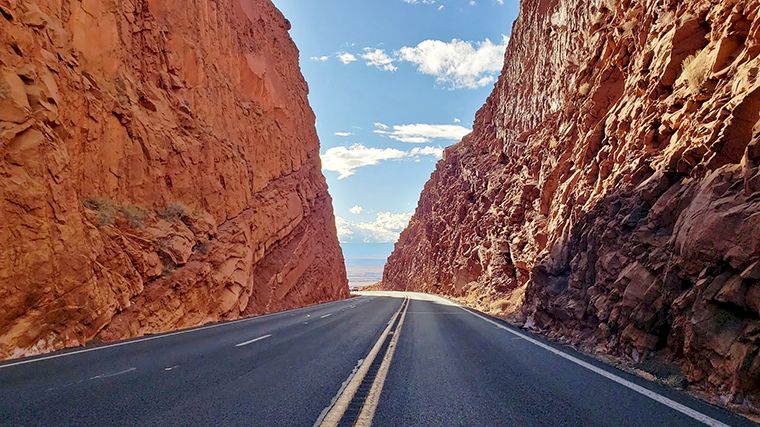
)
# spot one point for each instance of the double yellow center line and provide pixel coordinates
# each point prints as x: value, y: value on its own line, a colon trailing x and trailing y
x: 357, y: 400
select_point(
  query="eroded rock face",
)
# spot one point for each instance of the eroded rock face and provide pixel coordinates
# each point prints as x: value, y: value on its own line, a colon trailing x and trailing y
x: 159, y: 170
x: 609, y: 194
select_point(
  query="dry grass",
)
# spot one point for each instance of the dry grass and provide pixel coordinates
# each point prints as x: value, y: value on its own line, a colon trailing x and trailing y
x: 134, y: 214
x: 628, y: 26
x: 105, y: 207
x: 167, y: 270
x: 584, y: 89
x: 495, y: 304
x: 201, y: 246
x: 173, y: 211
x: 696, y: 70
x: 108, y: 209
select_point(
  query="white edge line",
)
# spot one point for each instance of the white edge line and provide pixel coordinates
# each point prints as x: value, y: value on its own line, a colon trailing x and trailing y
x: 253, y: 340
x: 622, y: 381
x: 164, y: 335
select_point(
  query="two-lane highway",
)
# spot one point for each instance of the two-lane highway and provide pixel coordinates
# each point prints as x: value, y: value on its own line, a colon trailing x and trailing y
x: 388, y: 359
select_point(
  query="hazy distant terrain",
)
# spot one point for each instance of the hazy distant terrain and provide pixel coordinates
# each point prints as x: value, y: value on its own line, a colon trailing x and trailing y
x: 365, y: 261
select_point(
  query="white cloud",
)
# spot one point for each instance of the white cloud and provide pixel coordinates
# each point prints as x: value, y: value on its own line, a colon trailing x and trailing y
x: 320, y: 58
x: 379, y: 59
x: 346, y: 160
x: 457, y: 120
x: 343, y: 134
x: 346, y: 57
x: 356, y: 209
x: 419, y: 133
x: 457, y: 64
x: 385, y: 228
x: 381, y: 125
x: 344, y: 228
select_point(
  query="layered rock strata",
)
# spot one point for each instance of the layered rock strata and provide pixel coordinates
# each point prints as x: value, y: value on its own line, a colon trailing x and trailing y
x: 609, y: 194
x: 159, y: 169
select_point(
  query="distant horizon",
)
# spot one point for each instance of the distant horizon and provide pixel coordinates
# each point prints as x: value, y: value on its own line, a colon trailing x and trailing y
x: 365, y: 261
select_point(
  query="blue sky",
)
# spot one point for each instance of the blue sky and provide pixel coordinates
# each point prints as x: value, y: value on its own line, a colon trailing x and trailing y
x: 392, y: 82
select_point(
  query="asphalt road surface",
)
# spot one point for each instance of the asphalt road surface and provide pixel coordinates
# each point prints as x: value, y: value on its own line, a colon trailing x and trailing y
x: 385, y: 359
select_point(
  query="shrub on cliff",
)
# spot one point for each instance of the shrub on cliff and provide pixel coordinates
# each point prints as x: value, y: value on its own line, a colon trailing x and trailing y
x: 173, y: 211
x: 105, y: 207
x: 134, y: 214
x: 107, y: 210
x: 696, y: 69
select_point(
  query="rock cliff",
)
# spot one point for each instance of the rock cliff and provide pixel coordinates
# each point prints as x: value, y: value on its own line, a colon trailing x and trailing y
x: 159, y: 169
x: 609, y: 194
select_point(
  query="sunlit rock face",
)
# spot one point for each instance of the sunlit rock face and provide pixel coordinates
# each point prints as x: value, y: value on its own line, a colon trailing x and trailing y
x: 609, y: 194
x: 160, y: 169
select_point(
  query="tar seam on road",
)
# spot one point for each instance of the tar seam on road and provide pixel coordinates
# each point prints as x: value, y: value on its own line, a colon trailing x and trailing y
x: 253, y: 340
x: 155, y: 337
x: 348, y: 403
x: 360, y: 407
x: 373, y: 399
x: 705, y: 419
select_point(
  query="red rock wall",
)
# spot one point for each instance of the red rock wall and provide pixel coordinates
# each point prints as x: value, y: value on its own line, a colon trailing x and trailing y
x: 159, y: 169
x: 609, y: 194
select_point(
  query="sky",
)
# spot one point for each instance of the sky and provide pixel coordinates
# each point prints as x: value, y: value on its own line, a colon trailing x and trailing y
x: 392, y: 83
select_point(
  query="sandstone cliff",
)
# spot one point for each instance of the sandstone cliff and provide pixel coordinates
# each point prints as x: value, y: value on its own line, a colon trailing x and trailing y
x: 609, y: 194
x: 159, y: 169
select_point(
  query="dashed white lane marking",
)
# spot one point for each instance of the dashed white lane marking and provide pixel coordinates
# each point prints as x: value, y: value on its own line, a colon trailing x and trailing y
x: 610, y: 376
x: 101, y: 376
x: 171, y: 368
x: 253, y: 340
x: 154, y: 337
x: 326, y: 315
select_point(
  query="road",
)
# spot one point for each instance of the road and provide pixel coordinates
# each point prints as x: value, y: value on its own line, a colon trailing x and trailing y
x: 386, y: 359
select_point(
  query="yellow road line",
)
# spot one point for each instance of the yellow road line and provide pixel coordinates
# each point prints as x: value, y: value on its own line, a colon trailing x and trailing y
x: 373, y: 399
x: 336, y: 411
